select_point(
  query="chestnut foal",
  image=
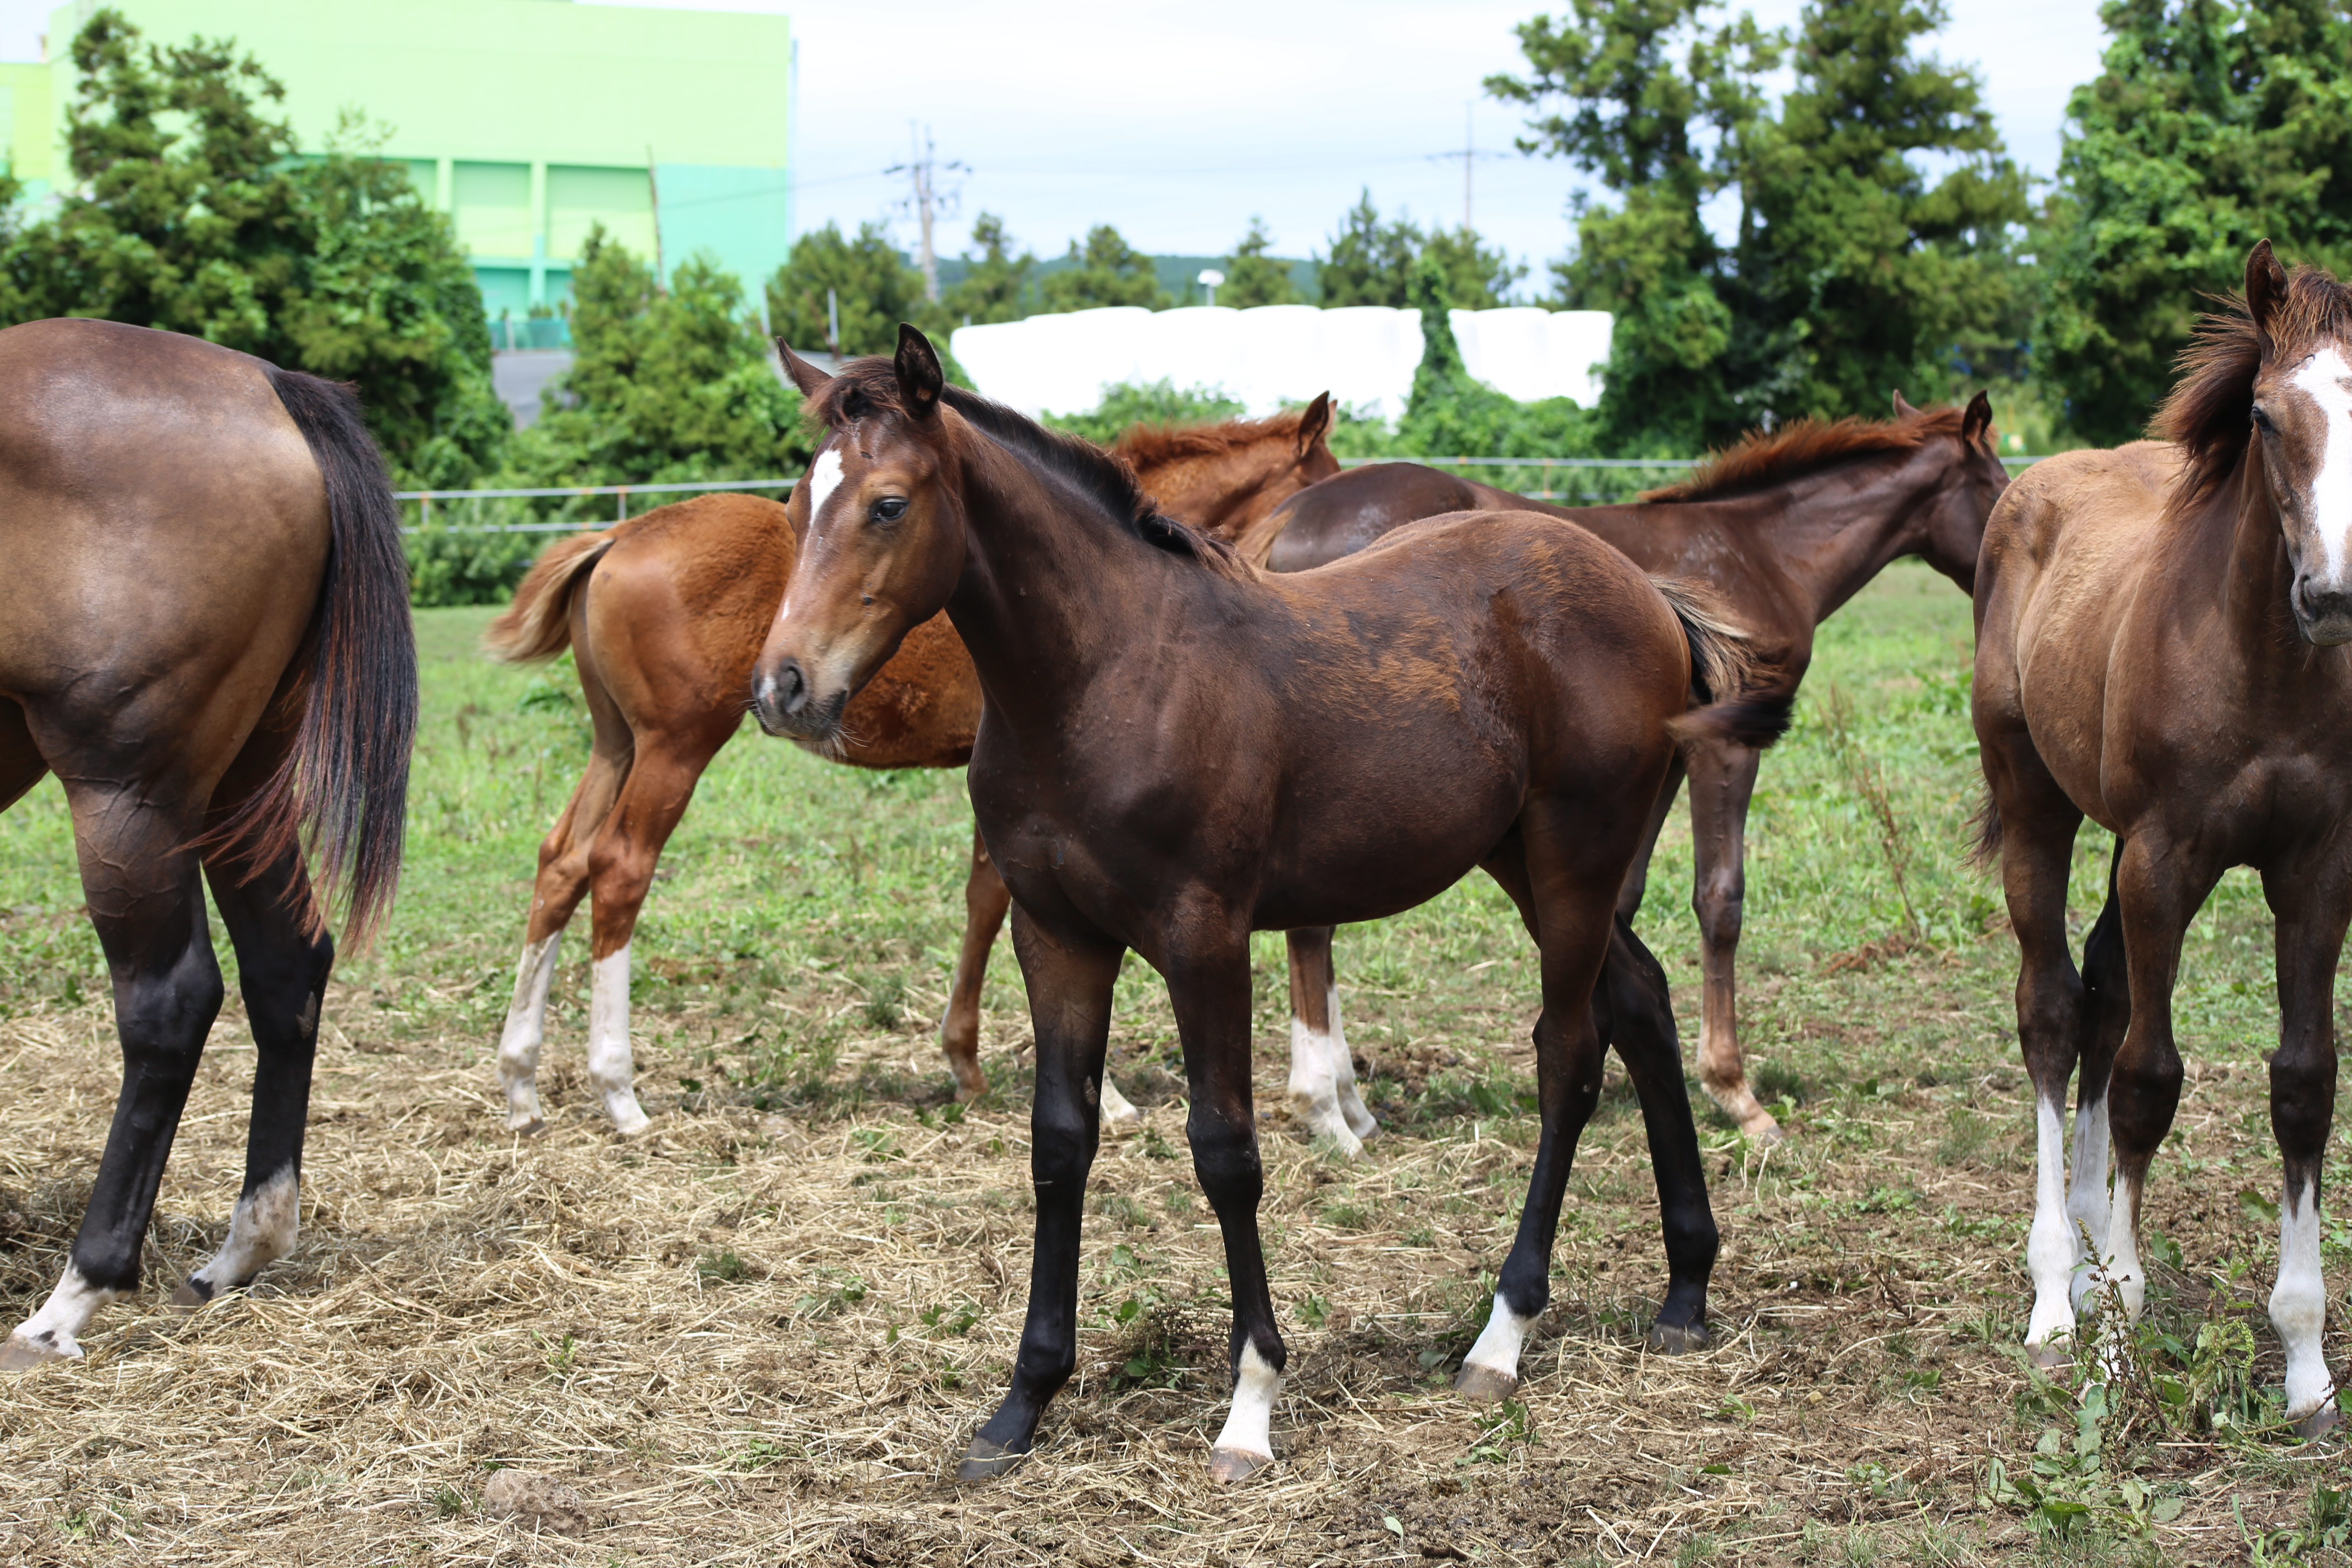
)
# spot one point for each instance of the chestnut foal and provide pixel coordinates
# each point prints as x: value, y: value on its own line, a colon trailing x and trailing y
x: 1786, y: 526
x: 1181, y: 750
x: 663, y: 615
x: 2160, y: 637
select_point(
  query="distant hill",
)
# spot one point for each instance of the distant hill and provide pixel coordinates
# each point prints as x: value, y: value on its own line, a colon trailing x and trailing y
x: 1176, y: 274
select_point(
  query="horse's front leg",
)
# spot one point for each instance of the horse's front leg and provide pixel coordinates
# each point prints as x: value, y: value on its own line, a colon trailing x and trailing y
x: 1722, y: 780
x: 1211, y: 991
x: 2158, y: 887
x: 1069, y: 975
x: 2311, y: 912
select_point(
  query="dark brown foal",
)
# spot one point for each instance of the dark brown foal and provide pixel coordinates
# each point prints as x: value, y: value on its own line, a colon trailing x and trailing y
x: 663, y: 615
x: 1180, y: 749
x: 204, y: 634
x: 2160, y: 646
x: 1785, y: 527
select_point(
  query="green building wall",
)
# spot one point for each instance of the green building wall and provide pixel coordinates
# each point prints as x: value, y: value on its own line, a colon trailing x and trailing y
x: 527, y: 120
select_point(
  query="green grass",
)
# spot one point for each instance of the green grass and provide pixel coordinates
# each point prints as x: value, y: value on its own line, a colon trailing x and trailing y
x: 795, y: 951
x: 794, y: 885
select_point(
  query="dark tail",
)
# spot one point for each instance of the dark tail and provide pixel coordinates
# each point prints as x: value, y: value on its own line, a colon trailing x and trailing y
x: 343, y: 788
x: 538, y: 625
x: 1985, y: 826
x: 1726, y: 703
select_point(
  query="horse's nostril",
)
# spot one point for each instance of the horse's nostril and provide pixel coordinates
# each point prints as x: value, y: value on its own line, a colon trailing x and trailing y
x: 796, y: 687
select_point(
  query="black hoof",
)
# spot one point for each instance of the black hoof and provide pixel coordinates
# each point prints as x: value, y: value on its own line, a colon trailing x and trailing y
x: 192, y: 1294
x: 985, y: 1460
x: 2320, y: 1422
x: 1676, y: 1339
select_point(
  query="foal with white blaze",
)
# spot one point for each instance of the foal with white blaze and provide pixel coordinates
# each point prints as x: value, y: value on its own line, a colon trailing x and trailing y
x: 2160, y: 637
x: 1178, y: 749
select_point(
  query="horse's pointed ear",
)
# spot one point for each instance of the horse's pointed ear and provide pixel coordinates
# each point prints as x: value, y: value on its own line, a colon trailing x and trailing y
x: 1315, y: 424
x: 1903, y: 409
x: 2265, y: 289
x: 1976, y: 421
x: 804, y: 375
x: 919, y: 376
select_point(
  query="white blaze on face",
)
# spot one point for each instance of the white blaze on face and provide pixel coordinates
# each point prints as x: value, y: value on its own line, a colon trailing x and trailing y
x: 56, y: 1329
x: 1249, y: 1428
x: 611, y: 1067
x: 824, y: 477
x: 261, y: 1230
x: 2326, y: 380
x: 2299, y: 1304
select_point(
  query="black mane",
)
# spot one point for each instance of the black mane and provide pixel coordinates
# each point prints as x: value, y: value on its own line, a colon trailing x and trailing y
x: 864, y: 386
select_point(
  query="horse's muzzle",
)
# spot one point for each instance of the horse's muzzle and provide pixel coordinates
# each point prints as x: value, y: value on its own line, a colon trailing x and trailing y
x: 783, y: 701
x: 2324, y: 615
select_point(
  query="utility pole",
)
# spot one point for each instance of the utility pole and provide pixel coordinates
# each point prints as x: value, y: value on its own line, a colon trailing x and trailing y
x: 653, y: 187
x: 1469, y: 154
x: 926, y: 201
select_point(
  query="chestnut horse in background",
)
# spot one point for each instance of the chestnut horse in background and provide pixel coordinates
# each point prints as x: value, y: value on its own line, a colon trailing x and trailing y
x: 1182, y: 748
x: 1785, y: 527
x: 204, y: 634
x: 2160, y: 648
x: 665, y: 614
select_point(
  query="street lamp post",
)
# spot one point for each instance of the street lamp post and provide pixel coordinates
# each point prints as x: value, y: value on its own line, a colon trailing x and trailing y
x: 1209, y: 277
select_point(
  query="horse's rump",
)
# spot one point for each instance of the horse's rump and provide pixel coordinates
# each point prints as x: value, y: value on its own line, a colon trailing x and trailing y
x: 538, y: 625
x: 342, y: 787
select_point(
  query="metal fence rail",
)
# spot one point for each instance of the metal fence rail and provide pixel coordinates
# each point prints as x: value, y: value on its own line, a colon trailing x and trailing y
x: 424, y: 499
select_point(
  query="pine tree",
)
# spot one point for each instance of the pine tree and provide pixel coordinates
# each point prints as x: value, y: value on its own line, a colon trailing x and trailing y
x: 1253, y: 278
x: 1108, y: 271
x: 2211, y: 125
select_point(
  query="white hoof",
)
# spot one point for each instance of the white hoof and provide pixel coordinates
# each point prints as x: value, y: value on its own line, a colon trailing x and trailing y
x: 1119, y: 1117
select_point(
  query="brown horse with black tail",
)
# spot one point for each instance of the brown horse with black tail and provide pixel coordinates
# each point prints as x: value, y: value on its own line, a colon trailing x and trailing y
x: 665, y: 614
x: 1180, y: 749
x: 1785, y: 527
x: 2161, y: 646
x: 204, y: 634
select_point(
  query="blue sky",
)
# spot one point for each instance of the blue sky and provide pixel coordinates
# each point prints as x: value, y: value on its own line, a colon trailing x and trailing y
x: 1181, y: 122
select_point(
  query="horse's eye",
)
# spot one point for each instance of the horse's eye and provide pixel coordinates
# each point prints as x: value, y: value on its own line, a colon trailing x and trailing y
x: 889, y: 509
x: 2261, y: 420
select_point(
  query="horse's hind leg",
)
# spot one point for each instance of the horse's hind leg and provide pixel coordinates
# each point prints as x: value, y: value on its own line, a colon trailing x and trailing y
x: 621, y: 863
x: 1322, y: 1073
x: 985, y: 899
x: 1572, y: 882
x: 562, y: 883
x: 282, y: 969
x: 1634, y: 1010
x: 148, y: 907
x: 2311, y: 911
x: 1722, y: 781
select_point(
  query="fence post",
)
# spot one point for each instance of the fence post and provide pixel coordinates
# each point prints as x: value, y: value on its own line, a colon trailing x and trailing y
x: 621, y: 505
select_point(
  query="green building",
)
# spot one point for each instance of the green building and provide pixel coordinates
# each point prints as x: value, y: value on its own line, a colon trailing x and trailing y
x: 526, y: 120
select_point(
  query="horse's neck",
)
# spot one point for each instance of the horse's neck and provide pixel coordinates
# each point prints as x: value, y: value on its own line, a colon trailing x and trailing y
x: 1220, y: 495
x: 1049, y: 594
x: 1832, y: 548
x: 2241, y: 524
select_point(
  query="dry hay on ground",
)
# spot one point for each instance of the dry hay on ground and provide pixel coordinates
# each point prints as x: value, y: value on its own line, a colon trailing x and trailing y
x: 762, y: 1336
